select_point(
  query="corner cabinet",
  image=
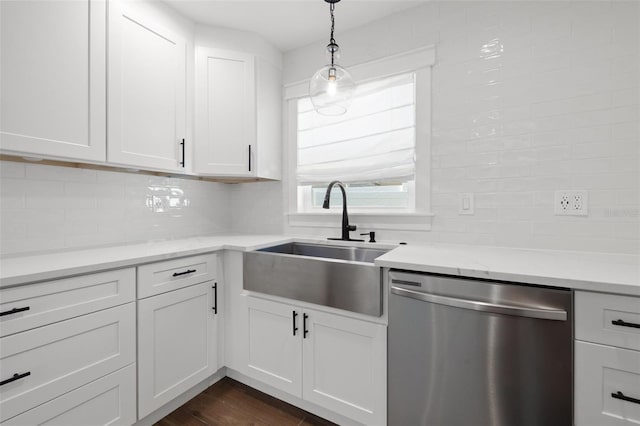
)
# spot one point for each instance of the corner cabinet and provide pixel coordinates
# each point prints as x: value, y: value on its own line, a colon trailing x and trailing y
x: 238, y: 110
x: 53, y: 79
x: 147, y: 91
x: 336, y: 362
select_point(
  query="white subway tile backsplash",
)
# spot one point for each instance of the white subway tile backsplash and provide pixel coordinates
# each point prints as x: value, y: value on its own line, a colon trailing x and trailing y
x: 12, y: 170
x: 44, y: 194
x: 50, y: 207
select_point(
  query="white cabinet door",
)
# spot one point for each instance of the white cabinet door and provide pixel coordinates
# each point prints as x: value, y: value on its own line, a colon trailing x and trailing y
x: 176, y: 344
x: 147, y: 91
x: 52, y: 78
x: 225, y: 113
x: 344, y: 366
x: 275, y: 351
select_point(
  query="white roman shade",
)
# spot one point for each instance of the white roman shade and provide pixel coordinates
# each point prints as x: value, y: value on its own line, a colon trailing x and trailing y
x: 373, y: 142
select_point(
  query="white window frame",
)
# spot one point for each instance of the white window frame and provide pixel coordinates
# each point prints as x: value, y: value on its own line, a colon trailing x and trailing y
x: 418, y: 61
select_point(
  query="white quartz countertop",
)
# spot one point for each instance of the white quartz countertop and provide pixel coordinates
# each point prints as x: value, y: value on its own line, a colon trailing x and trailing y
x: 609, y: 273
x: 23, y: 269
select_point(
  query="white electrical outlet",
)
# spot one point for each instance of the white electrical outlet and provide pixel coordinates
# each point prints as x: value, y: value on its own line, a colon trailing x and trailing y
x: 571, y: 203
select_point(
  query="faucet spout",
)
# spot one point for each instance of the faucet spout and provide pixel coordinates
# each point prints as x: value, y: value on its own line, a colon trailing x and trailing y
x: 346, y: 228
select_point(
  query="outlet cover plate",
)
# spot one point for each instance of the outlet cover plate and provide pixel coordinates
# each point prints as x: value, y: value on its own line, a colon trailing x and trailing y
x: 574, y: 202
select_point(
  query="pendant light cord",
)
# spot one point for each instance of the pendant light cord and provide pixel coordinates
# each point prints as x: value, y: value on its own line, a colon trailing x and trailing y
x: 332, y: 41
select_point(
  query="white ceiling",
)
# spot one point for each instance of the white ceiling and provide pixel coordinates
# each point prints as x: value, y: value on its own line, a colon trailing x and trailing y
x: 288, y: 24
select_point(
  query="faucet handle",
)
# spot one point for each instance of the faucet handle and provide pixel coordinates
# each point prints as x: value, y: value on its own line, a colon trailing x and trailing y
x: 372, y: 236
x: 351, y: 227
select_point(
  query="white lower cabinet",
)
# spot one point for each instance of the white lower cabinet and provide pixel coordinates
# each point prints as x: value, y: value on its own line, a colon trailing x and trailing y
x: 607, y: 359
x: 46, y: 362
x: 333, y: 361
x: 110, y: 400
x: 607, y: 385
x: 177, y: 335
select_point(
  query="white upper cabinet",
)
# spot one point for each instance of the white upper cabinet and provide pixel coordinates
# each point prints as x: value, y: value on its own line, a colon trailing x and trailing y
x: 238, y: 114
x: 225, y: 112
x: 53, y: 76
x: 147, y: 91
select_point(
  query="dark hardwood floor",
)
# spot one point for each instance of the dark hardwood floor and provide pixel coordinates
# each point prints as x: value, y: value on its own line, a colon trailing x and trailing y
x: 229, y: 402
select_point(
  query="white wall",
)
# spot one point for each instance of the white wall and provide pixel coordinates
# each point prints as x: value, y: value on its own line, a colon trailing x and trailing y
x: 528, y: 98
x: 49, y: 207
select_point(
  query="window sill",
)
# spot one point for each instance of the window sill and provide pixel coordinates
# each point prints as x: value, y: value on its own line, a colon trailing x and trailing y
x: 375, y: 221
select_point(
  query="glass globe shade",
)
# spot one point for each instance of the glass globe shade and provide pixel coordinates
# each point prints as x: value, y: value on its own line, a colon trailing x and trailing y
x: 331, y: 89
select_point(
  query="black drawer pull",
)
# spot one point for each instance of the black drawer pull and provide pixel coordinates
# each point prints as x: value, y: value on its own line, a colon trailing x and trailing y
x: 620, y: 395
x: 622, y: 323
x: 14, y: 311
x: 15, y: 377
x: 188, y: 271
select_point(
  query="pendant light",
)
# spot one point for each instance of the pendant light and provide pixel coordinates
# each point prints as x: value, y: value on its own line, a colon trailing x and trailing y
x: 331, y: 87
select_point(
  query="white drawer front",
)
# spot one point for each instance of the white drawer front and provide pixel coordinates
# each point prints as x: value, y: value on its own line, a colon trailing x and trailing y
x: 110, y: 400
x: 608, y: 319
x: 160, y: 277
x: 53, y: 301
x: 63, y: 356
x: 601, y: 371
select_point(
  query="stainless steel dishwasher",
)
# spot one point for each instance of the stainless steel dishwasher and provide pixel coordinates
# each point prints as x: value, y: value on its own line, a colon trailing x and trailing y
x: 476, y: 352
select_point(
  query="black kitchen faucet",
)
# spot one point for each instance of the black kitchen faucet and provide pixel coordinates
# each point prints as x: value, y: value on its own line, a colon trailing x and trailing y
x: 346, y: 228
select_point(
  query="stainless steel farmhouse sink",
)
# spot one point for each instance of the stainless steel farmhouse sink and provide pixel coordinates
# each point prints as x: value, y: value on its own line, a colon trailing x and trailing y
x: 342, y: 277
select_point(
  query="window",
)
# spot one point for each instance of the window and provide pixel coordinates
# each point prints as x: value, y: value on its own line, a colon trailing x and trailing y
x: 371, y: 148
x: 379, y: 148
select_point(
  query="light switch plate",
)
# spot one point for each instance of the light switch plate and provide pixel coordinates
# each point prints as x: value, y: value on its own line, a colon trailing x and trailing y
x: 466, y: 204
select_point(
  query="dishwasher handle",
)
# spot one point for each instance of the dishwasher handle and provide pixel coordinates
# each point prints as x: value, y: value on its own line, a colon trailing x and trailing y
x: 476, y: 305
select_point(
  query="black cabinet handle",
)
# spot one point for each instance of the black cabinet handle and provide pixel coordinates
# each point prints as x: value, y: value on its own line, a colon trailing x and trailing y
x: 15, y: 377
x: 182, y: 163
x: 249, y: 157
x: 294, y: 317
x: 620, y: 395
x: 215, y: 298
x: 188, y: 271
x: 625, y: 324
x: 304, y: 326
x: 14, y: 311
